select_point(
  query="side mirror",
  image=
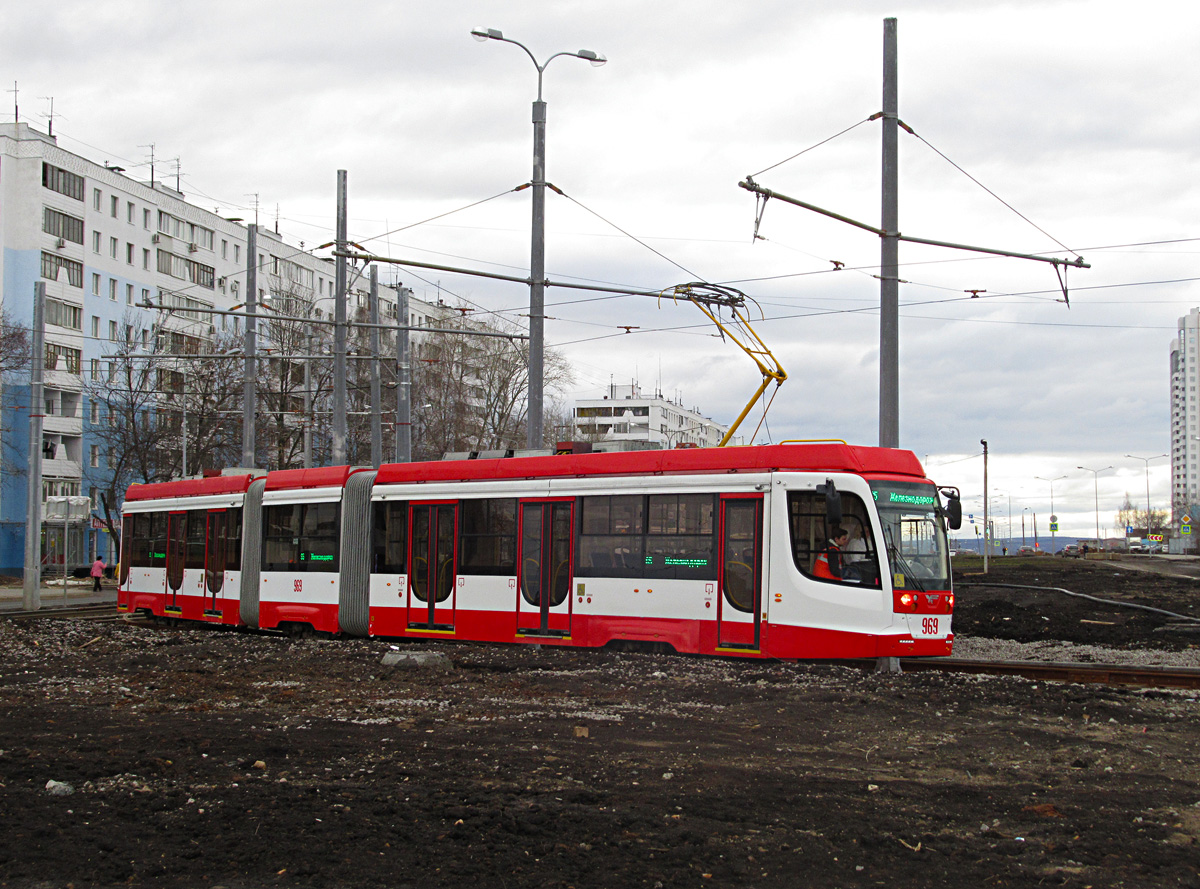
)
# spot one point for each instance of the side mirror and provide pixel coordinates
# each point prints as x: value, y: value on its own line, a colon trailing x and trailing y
x: 833, y: 503
x: 953, y: 511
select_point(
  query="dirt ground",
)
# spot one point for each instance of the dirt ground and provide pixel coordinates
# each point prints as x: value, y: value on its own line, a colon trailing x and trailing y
x: 222, y: 758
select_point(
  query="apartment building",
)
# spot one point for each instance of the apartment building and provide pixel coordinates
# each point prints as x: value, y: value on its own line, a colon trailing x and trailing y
x: 625, y: 414
x: 1185, y: 415
x: 105, y: 244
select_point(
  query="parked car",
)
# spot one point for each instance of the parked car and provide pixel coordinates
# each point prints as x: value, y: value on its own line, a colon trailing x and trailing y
x: 1071, y: 549
x: 1027, y: 551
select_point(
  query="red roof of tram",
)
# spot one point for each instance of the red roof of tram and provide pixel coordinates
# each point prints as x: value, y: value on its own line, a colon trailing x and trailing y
x: 816, y: 457
x: 191, y: 487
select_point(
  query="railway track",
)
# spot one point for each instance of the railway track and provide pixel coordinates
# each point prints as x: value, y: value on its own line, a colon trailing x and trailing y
x: 1049, y: 671
x: 98, y: 613
x: 1101, y: 674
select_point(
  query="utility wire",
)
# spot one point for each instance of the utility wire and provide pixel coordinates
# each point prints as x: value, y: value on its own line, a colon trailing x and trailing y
x: 985, y: 188
x: 817, y: 145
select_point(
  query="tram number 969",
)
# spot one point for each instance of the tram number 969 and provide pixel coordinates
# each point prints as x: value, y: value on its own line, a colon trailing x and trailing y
x: 929, y: 626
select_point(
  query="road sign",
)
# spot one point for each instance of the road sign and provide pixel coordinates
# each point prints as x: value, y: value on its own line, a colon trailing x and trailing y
x: 1185, y: 529
x: 1129, y: 529
x: 1054, y: 519
x: 1187, y: 520
x: 1054, y: 526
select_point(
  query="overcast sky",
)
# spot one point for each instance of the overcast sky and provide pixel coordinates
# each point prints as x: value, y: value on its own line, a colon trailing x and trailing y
x: 1081, y: 116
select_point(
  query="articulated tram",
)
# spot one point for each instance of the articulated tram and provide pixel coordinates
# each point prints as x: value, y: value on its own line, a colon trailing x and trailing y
x: 717, y: 551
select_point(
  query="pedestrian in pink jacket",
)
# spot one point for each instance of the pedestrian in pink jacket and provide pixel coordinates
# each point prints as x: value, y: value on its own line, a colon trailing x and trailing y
x: 97, y: 572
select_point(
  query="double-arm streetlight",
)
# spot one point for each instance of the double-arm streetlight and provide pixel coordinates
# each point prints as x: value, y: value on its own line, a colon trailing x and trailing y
x: 1053, y: 514
x: 537, y: 258
x: 1147, y: 462
x: 1096, y: 481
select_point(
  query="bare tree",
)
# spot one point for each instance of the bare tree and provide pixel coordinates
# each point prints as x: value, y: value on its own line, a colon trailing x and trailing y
x: 14, y: 345
x: 470, y: 393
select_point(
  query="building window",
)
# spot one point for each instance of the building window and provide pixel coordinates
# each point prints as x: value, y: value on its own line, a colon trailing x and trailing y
x: 224, y: 249
x: 95, y: 411
x: 112, y: 289
x: 112, y: 331
x: 94, y: 455
x: 95, y: 328
x: 95, y: 242
x: 129, y: 212
x: 115, y: 204
x: 146, y: 259
x: 61, y: 225
x: 128, y: 294
x: 62, y: 181
x: 52, y: 262
x: 146, y: 219
x: 62, y: 358
x: 128, y: 254
x: 113, y: 244
x: 95, y: 283
x: 96, y: 199
x: 62, y: 314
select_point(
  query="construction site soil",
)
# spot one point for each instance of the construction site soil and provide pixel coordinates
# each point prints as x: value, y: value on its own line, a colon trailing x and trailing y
x: 160, y: 756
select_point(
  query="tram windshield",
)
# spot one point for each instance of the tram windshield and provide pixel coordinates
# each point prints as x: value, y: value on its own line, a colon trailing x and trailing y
x: 914, y: 534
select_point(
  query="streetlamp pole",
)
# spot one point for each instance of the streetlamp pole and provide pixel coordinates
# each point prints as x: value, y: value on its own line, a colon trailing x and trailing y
x: 537, y: 252
x: 1147, y: 462
x: 1096, y: 483
x: 1053, y: 514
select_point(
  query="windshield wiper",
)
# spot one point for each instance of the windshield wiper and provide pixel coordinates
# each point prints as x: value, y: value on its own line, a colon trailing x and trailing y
x: 900, y: 561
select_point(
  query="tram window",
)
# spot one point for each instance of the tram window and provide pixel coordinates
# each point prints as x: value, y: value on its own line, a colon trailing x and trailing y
x: 657, y: 536
x: 611, y: 536
x: 487, y: 536
x: 233, y: 539
x: 197, y: 528
x: 679, y: 540
x: 158, y: 540
x: 301, y: 537
x: 809, y: 537
x: 389, y: 537
x: 136, y: 544
x: 281, y: 537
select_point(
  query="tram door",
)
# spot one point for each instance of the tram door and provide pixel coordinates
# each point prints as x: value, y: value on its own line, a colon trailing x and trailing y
x: 176, y: 553
x: 214, y: 559
x: 740, y: 572
x: 431, y: 573
x: 544, y: 554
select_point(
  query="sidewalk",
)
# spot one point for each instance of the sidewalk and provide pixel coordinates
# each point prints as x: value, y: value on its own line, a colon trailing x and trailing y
x: 79, y: 592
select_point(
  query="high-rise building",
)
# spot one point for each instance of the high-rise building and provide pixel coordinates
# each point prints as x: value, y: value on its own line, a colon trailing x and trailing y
x: 1185, y: 415
x: 105, y: 244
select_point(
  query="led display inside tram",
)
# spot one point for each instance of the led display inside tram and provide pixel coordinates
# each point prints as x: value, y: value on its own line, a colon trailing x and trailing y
x: 914, y: 534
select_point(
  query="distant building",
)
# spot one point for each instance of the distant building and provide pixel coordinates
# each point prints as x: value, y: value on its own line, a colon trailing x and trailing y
x: 626, y: 415
x: 103, y: 243
x: 1185, y: 420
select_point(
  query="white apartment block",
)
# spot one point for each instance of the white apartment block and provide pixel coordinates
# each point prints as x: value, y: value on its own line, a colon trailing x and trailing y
x: 1185, y: 436
x: 104, y: 243
x: 626, y: 415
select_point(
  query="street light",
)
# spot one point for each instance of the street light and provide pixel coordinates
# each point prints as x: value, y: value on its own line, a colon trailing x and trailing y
x: 537, y: 257
x: 1147, y: 461
x: 1053, y: 515
x: 1096, y: 482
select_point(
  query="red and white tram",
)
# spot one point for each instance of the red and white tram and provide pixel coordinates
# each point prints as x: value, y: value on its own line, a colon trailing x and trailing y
x: 713, y: 551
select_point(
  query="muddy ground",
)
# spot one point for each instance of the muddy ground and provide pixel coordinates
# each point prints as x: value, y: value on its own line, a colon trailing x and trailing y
x: 221, y: 758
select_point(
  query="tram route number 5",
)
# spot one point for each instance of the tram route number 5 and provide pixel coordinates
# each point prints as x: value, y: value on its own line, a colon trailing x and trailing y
x: 298, y: 585
x: 929, y: 625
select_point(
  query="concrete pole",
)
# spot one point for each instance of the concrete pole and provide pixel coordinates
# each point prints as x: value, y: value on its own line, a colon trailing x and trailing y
x: 376, y: 394
x: 338, y: 420
x: 250, y: 371
x: 537, y: 275
x: 986, y: 535
x: 403, y: 380
x: 308, y: 402
x: 889, y: 284
x: 32, y: 597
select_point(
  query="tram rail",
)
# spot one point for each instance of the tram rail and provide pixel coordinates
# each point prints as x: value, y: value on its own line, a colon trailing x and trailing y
x: 1142, y: 676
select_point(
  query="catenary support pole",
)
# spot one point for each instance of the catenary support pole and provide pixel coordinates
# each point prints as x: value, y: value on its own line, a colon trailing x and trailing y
x: 537, y: 276
x: 376, y: 406
x: 986, y: 526
x: 250, y: 372
x: 889, y: 280
x: 308, y: 404
x: 338, y: 420
x: 403, y: 379
x: 32, y: 595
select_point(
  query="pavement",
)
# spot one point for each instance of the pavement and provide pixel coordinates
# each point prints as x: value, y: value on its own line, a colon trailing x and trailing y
x: 79, y: 592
